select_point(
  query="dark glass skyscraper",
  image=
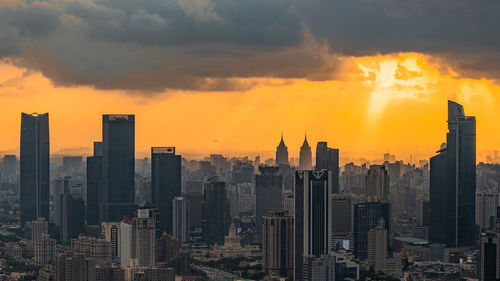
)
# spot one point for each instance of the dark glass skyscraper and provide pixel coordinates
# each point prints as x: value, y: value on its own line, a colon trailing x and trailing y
x: 35, y: 167
x: 94, y: 185
x: 216, y: 212
x: 453, y: 182
x: 166, y: 183
x: 313, y: 222
x: 268, y: 194
x: 118, y: 167
x: 366, y: 217
x: 328, y: 158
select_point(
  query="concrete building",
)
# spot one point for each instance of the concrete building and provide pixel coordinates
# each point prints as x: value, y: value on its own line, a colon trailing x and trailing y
x: 377, y: 247
x: 125, y: 242
x: 305, y: 160
x: 39, y: 228
x: 144, y: 236
x: 111, y: 233
x: 277, y: 243
x: 44, y: 249
x: 180, y: 219
x: 486, y: 209
x: 377, y: 183
x: 97, y: 249
x: 319, y: 268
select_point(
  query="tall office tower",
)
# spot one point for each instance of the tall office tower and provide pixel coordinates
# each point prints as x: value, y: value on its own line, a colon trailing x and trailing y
x: 181, y: 219
x: 216, y: 211
x: 377, y: 183
x: 94, y: 185
x: 313, y: 221
x: 61, y: 187
x: 44, y: 250
x: 305, y: 160
x: 377, y: 247
x: 35, y: 167
x: 453, y: 182
x: 118, y: 164
x: 277, y: 244
x: 319, y: 268
x: 111, y: 233
x: 486, y: 209
x: 73, y: 217
x: 328, y: 158
x: 166, y: 176
x: 125, y: 242
x: 72, y: 165
x: 341, y: 215
x: 268, y: 193
x: 367, y: 216
x: 194, y: 199
x: 144, y: 227
x: 38, y: 228
x: 489, y: 260
x: 281, y: 153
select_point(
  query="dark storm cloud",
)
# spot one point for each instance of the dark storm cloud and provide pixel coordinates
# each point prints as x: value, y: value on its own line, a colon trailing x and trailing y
x: 466, y: 33
x: 152, y: 45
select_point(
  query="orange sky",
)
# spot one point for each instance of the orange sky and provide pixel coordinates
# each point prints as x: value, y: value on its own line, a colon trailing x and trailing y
x: 378, y: 104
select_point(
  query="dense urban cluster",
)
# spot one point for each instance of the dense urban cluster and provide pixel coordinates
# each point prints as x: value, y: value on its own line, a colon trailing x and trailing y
x: 113, y: 217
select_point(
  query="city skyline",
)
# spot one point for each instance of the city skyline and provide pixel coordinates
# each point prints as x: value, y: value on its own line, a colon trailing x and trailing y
x: 293, y: 142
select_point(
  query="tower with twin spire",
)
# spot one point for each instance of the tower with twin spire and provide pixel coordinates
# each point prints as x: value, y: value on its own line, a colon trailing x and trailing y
x: 282, y: 153
x: 305, y: 161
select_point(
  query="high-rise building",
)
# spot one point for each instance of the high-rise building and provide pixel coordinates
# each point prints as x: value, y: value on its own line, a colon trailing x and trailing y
x: 73, y: 216
x: 341, y: 215
x: 61, y: 187
x: 39, y: 228
x: 74, y: 266
x: 166, y: 176
x: 377, y: 247
x: 453, y: 182
x: 319, y: 268
x: 44, y: 250
x: 118, y: 167
x: 125, y: 242
x: 486, y: 209
x: 144, y: 227
x: 181, y: 219
x: 305, y: 160
x: 313, y: 222
x: 9, y: 170
x: 489, y: 261
x: 194, y: 200
x: 366, y: 217
x: 377, y: 183
x: 242, y: 172
x: 95, y: 248
x: 167, y: 248
x: 111, y: 233
x: 281, y: 153
x: 268, y: 193
x: 34, y: 167
x: 328, y: 158
x: 94, y: 185
x: 277, y: 244
x: 216, y: 211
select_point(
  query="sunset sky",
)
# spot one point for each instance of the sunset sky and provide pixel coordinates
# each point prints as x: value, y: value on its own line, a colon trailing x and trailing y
x: 227, y: 76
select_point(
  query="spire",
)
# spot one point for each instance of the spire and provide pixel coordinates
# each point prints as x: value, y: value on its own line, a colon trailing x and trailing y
x: 282, y: 142
x: 305, y: 144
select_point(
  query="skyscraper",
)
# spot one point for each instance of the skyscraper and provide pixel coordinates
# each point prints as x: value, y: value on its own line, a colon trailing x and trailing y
x: 180, y: 219
x: 166, y: 176
x: 216, y: 211
x: 377, y: 246
x: 39, y: 228
x: 489, y: 261
x: 268, y: 193
x: 377, y: 183
x: 313, y: 222
x: 341, y: 215
x: 453, y: 182
x: 144, y: 227
x: 305, y: 160
x: 366, y: 217
x: 94, y: 185
x: 35, y: 167
x: 73, y: 216
x: 277, y: 244
x: 281, y: 153
x: 118, y: 164
x: 328, y: 158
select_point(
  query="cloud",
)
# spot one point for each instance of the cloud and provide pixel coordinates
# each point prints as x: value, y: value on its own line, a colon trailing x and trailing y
x: 464, y: 33
x: 208, y: 45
